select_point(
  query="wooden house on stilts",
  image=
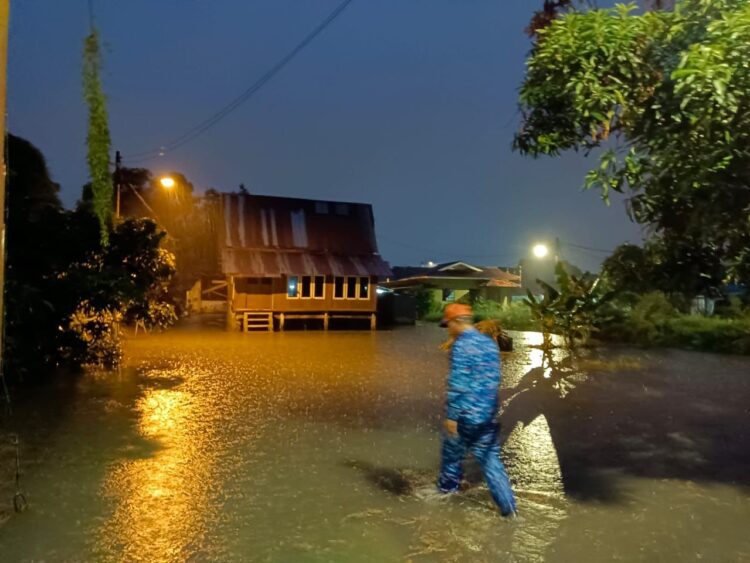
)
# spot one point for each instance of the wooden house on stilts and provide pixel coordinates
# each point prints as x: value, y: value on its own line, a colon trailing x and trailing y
x: 284, y: 259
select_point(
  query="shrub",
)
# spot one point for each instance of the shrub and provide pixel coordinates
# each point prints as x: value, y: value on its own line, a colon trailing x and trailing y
x: 427, y: 308
x: 711, y: 334
x: 92, y: 337
x: 648, y: 318
x: 732, y: 308
x: 514, y: 316
x: 654, y: 321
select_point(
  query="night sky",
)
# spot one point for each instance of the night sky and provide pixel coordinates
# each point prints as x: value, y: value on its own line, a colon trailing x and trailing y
x: 407, y: 104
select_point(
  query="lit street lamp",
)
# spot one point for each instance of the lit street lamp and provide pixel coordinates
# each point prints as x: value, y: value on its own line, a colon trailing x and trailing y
x: 167, y: 182
x: 540, y: 250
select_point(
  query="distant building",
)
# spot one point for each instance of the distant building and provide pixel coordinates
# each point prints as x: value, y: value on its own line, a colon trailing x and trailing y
x: 457, y: 281
x: 283, y: 259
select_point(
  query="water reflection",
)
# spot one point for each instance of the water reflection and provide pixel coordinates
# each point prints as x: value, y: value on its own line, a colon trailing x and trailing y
x: 530, y: 452
x: 538, y: 486
x: 315, y: 447
x: 160, y: 500
x: 535, y: 359
x: 535, y: 455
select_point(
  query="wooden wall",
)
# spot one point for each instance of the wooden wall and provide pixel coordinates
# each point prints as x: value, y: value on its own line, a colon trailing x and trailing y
x: 273, y: 296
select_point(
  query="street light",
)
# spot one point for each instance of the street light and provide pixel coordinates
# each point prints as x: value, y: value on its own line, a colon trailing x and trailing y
x: 540, y: 250
x: 167, y: 182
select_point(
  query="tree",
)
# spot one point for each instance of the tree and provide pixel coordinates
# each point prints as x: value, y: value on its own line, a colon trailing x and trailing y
x: 127, y: 279
x: 66, y: 289
x: 34, y: 223
x: 630, y: 268
x: 553, y: 9
x: 190, y: 221
x: 664, y: 97
x: 679, y: 269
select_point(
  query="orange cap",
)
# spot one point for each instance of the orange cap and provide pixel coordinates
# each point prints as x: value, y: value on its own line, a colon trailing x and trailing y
x: 454, y: 311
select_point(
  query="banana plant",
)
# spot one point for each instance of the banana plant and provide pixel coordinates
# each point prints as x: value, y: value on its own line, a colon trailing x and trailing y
x: 570, y: 309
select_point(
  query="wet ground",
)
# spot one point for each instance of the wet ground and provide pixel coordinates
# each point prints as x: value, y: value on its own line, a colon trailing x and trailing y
x: 306, y: 446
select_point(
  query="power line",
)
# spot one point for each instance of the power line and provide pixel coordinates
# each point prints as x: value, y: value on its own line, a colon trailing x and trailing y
x: 205, y: 125
x: 589, y: 248
x: 586, y: 254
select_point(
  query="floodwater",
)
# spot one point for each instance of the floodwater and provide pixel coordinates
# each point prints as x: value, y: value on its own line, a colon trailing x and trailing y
x: 307, y: 446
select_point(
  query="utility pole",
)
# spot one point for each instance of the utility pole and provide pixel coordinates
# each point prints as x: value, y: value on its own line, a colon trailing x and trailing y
x: 4, y: 15
x: 118, y: 163
x: 118, y: 189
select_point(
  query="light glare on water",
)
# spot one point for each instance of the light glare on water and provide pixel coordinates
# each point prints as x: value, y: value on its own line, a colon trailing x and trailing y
x: 324, y: 447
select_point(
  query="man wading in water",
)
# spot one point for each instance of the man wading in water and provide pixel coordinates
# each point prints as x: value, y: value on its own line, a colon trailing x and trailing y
x: 471, y: 409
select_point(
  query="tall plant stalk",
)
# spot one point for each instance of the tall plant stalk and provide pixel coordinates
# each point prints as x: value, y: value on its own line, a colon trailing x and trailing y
x: 98, y: 139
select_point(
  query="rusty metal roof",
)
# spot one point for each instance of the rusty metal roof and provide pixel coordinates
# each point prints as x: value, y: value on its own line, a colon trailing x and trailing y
x: 261, y: 263
x: 272, y: 236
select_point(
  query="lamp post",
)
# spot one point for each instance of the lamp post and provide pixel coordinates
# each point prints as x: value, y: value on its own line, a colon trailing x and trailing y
x: 118, y: 163
x: 167, y: 182
x: 541, y: 252
x: 4, y: 14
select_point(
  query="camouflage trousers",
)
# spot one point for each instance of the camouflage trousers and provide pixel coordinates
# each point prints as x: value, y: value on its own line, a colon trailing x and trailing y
x: 483, y: 442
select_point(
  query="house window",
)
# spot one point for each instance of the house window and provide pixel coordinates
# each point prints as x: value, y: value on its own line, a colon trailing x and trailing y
x: 320, y: 287
x: 338, y: 287
x: 306, y: 292
x: 351, y: 288
x: 449, y: 295
x: 342, y: 209
x: 321, y: 207
x: 364, y: 288
x: 292, y: 288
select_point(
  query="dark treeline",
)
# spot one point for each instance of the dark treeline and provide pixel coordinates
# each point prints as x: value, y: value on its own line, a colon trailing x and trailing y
x: 66, y: 291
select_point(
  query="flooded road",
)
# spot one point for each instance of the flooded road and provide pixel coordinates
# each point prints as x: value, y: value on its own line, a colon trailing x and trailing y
x: 307, y: 446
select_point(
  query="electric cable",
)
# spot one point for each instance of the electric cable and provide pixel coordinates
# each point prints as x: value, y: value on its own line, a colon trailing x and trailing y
x: 207, y: 124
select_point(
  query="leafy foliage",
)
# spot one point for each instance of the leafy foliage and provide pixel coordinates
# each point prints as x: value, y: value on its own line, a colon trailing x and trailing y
x: 427, y: 307
x: 571, y: 309
x: 513, y: 316
x: 654, y: 321
x: 191, y: 222
x: 98, y: 138
x: 681, y: 270
x: 630, y: 268
x: 66, y: 290
x: 553, y: 9
x: 647, y: 318
x: 673, y: 90
x: 92, y: 337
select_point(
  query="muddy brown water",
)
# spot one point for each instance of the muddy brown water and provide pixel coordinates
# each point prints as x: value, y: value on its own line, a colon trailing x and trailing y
x: 307, y: 446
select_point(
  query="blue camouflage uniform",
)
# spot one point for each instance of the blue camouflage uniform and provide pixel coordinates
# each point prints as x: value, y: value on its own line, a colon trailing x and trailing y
x: 473, y: 402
